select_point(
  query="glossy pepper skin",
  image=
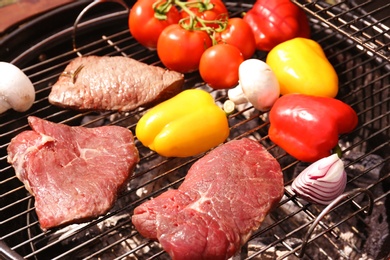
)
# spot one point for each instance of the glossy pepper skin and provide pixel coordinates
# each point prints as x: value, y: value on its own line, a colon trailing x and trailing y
x: 276, y: 21
x: 308, y: 127
x: 186, y: 125
x: 301, y: 66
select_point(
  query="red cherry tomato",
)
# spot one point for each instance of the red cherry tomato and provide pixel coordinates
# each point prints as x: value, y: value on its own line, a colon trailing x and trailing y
x: 217, y: 12
x: 180, y: 49
x: 219, y: 66
x: 239, y: 34
x: 145, y: 27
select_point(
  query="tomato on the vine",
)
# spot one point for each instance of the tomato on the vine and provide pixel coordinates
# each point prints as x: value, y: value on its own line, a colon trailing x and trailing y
x: 209, y: 10
x: 145, y: 26
x: 219, y: 66
x: 239, y: 34
x: 180, y: 49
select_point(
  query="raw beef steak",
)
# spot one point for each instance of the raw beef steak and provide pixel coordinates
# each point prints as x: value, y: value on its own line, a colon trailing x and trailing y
x: 224, y: 197
x: 113, y: 83
x: 75, y: 173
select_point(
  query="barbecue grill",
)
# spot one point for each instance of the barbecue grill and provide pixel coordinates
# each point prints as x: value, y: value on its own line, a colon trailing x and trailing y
x: 355, y: 37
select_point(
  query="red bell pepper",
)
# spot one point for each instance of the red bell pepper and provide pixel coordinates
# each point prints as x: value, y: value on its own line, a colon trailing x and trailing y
x: 308, y: 127
x: 276, y: 21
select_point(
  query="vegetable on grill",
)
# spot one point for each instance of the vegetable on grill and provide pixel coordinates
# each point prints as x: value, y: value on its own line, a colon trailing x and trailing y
x: 321, y: 182
x: 180, y: 49
x: 238, y: 33
x: 301, y: 67
x: 16, y: 90
x: 308, y: 127
x: 187, y: 124
x: 210, y: 65
x: 276, y: 21
x: 181, y: 37
x: 148, y: 18
x: 258, y: 85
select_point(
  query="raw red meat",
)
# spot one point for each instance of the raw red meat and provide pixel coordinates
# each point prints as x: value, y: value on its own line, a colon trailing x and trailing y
x: 74, y: 173
x: 224, y: 197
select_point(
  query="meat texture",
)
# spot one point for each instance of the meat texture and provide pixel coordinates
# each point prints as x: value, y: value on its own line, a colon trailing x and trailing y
x: 224, y: 197
x: 75, y: 173
x: 113, y: 83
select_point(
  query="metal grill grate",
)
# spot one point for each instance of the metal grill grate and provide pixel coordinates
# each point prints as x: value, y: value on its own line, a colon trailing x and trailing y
x: 365, y: 22
x: 343, y: 232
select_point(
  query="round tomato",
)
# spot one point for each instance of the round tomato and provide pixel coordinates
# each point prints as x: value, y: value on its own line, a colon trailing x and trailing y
x: 145, y: 27
x: 219, y: 66
x: 180, y: 49
x: 239, y: 34
x: 208, y: 10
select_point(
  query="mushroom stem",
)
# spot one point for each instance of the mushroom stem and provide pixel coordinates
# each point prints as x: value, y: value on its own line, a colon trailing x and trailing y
x: 237, y: 95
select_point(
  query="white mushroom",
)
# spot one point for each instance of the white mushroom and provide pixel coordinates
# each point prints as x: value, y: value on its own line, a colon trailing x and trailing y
x: 16, y: 90
x: 258, y: 85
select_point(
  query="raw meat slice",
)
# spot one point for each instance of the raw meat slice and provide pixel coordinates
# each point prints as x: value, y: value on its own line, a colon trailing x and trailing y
x: 224, y: 197
x: 75, y: 173
x: 113, y: 83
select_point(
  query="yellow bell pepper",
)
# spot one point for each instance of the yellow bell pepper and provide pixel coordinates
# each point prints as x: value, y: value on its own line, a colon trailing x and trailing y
x: 300, y: 65
x: 187, y: 124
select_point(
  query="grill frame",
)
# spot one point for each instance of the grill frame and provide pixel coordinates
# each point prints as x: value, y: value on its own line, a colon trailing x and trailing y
x: 374, y: 122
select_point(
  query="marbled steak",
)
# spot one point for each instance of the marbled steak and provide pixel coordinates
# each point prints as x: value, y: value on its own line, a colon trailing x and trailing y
x: 224, y: 197
x: 75, y: 173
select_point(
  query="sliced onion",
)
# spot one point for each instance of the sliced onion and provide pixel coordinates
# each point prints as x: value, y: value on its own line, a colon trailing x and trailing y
x: 322, y: 181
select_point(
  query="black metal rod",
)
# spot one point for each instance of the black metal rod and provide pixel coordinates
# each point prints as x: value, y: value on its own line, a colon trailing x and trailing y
x: 330, y: 207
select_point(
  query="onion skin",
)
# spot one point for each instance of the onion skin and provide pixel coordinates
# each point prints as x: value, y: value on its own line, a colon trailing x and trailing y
x: 321, y: 182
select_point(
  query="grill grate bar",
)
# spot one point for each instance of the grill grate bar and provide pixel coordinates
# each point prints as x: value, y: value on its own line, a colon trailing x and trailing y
x: 12, y: 191
x: 341, y: 20
x: 15, y: 203
x: 380, y: 180
x: 360, y: 64
x: 87, y: 242
x: 361, y: 142
x: 278, y: 241
x: 16, y: 231
x: 290, y: 234
x: 326, y: 230
x: 110, y: 246
x: 323, y: 233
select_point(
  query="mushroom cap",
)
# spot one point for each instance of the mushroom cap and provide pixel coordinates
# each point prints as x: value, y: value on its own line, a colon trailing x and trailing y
x: 16, y: 89
x: 259, y: 83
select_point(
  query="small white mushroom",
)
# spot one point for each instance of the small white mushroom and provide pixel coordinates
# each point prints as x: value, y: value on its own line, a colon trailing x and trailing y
x: 258, y: 85
x: 16, y: 90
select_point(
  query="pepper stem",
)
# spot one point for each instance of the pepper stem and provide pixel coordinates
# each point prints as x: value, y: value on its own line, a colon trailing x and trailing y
x: 337, y: 150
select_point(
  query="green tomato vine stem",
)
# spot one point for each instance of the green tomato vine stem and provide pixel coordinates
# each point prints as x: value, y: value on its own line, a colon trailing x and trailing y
x: 162, y: 7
